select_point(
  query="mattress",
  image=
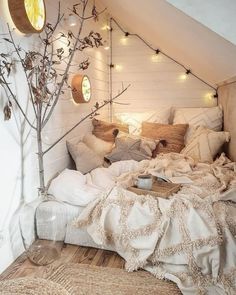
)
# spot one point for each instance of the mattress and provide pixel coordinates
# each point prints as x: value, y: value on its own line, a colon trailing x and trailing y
x: 53, y: 222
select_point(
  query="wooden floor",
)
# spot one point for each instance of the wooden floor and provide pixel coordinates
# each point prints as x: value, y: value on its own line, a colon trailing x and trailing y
x: 22, y: 267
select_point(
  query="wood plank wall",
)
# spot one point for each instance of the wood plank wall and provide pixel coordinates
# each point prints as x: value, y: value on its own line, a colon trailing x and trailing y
x: 155, y: 80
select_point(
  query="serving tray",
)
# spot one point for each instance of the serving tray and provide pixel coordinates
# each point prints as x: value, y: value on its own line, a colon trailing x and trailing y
x: 160, y: 189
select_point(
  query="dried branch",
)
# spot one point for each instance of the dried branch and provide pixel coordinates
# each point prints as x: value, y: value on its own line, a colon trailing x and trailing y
x: 93, y: 112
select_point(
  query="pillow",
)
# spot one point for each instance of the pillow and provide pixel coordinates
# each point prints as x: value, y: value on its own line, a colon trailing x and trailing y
x: 147, y: 145
x: 85, y: 159
x: 173, y: 135
x: 107, y: 131
x: 99, y: 146
x: 127, y: 148
x: 204, y: 145
x: 211, y: 118
x: 134, y: 120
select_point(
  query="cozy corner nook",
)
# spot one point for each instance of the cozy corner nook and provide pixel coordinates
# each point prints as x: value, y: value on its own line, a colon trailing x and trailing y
x: 118, y: 171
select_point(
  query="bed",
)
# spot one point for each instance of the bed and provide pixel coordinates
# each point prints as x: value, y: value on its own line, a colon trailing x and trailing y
x: 78, y: 224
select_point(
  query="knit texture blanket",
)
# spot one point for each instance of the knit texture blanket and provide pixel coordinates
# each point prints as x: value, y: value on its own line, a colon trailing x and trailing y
x: 189, y: 239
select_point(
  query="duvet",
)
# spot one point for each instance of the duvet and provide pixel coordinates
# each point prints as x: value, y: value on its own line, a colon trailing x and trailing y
x: 189, y: 239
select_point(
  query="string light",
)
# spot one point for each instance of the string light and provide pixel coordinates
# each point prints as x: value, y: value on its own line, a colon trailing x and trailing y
x: 106, y: 28
x: 118, y: 68
x: 106, y: 45
x: 157, y: 51
x: 183, y: 77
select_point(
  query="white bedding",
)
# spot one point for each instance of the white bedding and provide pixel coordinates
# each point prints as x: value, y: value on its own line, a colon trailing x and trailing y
x: 189, y: 239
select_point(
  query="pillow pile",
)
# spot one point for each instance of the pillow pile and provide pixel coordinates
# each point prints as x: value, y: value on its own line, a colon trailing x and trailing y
x: 172, y: 134
x: 204, y: 145
x: 134, y: 120
x: 210, y: 118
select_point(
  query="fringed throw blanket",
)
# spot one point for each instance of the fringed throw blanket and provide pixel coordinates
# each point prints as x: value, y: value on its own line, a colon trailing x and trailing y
x: 189, y: 238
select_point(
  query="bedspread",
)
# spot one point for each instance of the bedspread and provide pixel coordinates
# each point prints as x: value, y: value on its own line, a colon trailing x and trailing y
x: 189, y: 238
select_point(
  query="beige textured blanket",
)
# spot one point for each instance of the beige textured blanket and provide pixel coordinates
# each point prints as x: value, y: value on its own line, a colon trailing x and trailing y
x: 189, y: 239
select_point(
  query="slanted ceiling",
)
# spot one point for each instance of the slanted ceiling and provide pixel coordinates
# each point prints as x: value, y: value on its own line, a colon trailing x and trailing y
x: 203, y: 51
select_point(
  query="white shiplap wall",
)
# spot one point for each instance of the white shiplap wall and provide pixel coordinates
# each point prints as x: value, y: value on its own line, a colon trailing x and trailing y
x: 155, y: 80
x: 67, y: 113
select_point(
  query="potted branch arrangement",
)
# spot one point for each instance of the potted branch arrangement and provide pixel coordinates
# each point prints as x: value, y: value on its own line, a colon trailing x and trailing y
x: 40, y: 71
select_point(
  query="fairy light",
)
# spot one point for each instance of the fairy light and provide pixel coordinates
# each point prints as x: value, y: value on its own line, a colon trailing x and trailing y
x: 154, y: 58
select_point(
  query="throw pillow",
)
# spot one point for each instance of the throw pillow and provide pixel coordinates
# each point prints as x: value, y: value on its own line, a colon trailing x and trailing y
x: 173, y: 136
x: 107, y: 131
x: 99, y: 146
x: 85, y: 159
x: 127, y: 149
x: 204, y: 145
x: 211, y: 118
x: 134, y: 120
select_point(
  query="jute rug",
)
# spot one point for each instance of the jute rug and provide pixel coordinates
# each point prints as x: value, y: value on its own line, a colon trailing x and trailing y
x: 82, y: 279
x: 30, y: 286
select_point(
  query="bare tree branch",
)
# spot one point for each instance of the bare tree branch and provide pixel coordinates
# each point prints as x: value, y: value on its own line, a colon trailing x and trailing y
x: 86, y: 117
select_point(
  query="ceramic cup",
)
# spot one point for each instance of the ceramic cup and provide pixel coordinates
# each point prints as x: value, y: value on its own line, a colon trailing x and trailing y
x: 144, y: 181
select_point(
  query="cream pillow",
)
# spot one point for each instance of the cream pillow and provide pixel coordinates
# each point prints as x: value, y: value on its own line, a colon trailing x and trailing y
x: 134, y: 120
x: 99, y: 146
x: 210, y: 118
x: 204, y: 145
x: 85, y: 159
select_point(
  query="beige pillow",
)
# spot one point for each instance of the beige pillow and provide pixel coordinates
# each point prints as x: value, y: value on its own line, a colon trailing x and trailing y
x: 173, y: 135
x: 204, y: 145
x: 107, y: 131
x: 85, y: 159
x: 127, y: 148
x: 134, y: 120
x: 99, y: 146
x: 210, y: 118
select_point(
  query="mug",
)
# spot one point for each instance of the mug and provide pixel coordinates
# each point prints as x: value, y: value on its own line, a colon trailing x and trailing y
x: 144, y: 181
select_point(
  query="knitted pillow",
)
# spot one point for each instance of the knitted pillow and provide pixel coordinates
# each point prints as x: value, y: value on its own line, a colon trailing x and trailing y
x: 173, y: 135
x: 210, y: 118
x: 204, y: 145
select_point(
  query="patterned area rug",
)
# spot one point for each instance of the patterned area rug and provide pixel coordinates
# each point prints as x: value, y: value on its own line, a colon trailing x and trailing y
x: 84, y: 279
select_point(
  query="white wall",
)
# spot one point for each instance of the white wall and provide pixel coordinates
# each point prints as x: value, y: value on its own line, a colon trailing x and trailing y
x: 13, y: 188
x: 155, y: 80
x: 217, y: 15
x: 208, y: 55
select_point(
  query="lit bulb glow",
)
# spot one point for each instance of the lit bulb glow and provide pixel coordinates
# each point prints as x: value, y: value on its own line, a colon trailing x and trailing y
x: 156, y: 58
x: 209, y: 96
x: 124, y: 40
x: 106, y: 47
x: 72, y: 20
x: 35, y: 11
x: 118, y: 68
x: 106, y: 28
x: 183, y: 77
